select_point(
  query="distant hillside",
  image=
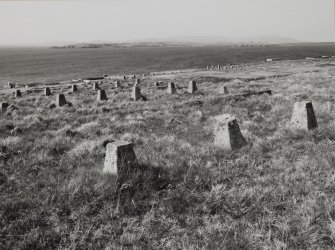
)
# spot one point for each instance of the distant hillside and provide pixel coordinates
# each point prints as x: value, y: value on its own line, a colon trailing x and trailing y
x: 117, y: 45
x: 185, y: 42
x: 226, y: 40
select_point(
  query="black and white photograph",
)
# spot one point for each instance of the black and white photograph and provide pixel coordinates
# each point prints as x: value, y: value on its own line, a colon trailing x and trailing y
x: 156, y: 124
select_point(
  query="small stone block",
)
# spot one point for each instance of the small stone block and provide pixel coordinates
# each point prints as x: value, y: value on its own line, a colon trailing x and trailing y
x: 228, y: 134
x: 120, y: 158
x: 74, y: 88
x: 171, y: 90
x: 136, y: 93
x: 102, y: 95
x: 192, y: 87
x: 224, y: 90
x: 60, y: 100
x: 4, y: 105
x: 95, y: 86
x: 303, y: 116
x: 47, y: 91
x: 18, y: 93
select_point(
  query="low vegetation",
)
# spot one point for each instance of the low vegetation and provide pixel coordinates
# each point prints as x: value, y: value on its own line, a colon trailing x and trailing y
x: 275, y: 193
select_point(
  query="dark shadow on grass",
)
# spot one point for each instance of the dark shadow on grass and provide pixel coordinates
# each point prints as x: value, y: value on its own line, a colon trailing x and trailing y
x: 138, y: 186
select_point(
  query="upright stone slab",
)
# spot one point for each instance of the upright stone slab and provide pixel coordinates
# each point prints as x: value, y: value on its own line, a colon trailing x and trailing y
x: 171, y: 90
x: 227, y: 133
x: 192, y: 87
x: 156, y: 84
x: 117, y: 84
x: 95, y: 86
x: 102, y: 95
x: 18, y: 93
x: 47, y: 91
x: 60, y: 100
x: 74, y: 88
x: 120, y: 158
x: 137, y: 82
x: 4, y: 105
x: 136, y: 93
x: 303, y: 116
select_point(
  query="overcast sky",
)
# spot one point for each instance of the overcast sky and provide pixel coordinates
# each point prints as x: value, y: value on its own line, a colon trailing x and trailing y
x: 28, y: 22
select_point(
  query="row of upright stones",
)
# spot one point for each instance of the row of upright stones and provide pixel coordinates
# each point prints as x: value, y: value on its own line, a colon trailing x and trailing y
x: 192, y: 87
x: 47, y: 91
x: 135, y: 95
x: 121, y: 159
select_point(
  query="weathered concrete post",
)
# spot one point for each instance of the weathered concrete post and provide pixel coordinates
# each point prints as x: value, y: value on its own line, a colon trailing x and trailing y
x: 156, y: 84
x: 102, y: 95
x: 95, y: 86
x: 171, y: 90
x: 303, y: 116
x: 74, y: 88
x: 4, y: 105
x: 192, y: 87
x: 60, y: 100
x: 117, y: 84
x: 120, y: 158
x: 227, y: 133
x: 47, y: 91
x: 136, y: 93
x: 137, y: 82
x: 18, y: 93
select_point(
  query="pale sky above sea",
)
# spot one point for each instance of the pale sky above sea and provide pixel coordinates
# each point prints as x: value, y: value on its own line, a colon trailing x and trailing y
x: 50, y: 22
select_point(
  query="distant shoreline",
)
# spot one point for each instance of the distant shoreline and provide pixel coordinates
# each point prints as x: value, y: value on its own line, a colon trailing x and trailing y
x: 45, y: 65
x: 166, y: 45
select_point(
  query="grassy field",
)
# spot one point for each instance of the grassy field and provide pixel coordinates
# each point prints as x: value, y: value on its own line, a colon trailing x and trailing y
x: 278, y: 192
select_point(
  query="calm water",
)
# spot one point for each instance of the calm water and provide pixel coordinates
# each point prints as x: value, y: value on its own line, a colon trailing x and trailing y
x: 52, y: 65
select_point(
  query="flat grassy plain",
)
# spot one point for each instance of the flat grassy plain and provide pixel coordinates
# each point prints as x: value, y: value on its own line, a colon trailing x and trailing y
x: 278, y: 192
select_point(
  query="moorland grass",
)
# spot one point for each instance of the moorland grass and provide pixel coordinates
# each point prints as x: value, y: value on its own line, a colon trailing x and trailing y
x: 275, y: 193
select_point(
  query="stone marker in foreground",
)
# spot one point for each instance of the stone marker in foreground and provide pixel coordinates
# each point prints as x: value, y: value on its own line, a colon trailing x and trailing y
x: 47, y: 91
x: 102, y: 95
x: 171, y: 88
x: 18, y: 93
x: 136, y: 93
x: 74, y: 88
x: 120, y: 158
x: 4, y: 105
x: 192, y: 87
x: 137, y: 82
x: 227, y: 133
x: 95, y: 86
x: 156, y: 84
x: 303, y: 116
x: 60, y: 100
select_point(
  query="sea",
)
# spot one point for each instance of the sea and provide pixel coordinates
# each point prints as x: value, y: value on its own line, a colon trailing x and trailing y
x: 49, y: 65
